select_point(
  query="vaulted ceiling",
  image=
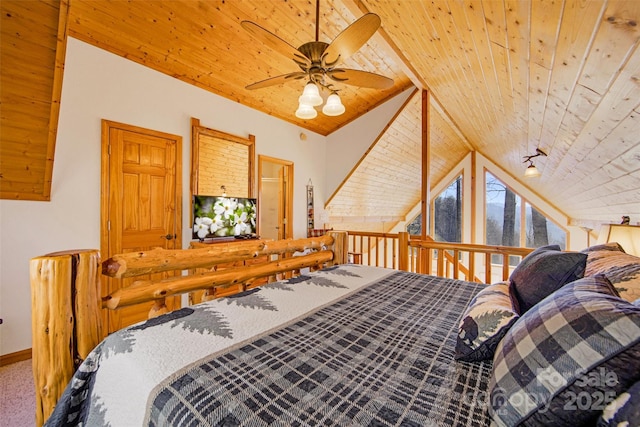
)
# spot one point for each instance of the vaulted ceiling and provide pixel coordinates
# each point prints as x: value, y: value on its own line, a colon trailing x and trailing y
x: 505, y: 77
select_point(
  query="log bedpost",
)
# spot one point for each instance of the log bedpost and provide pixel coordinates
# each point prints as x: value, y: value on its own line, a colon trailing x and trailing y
x: 65, y: 320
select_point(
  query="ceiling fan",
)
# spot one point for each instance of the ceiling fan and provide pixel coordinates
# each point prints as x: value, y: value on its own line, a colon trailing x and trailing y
x: 318, y: 61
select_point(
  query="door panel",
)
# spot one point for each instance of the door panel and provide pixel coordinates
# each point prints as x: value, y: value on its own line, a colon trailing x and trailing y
x: 141, y: 176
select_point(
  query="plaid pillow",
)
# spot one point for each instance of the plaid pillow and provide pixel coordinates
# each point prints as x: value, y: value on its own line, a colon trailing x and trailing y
x: 622, y: 269
x: 487, y: 319
x: 544, y: 271
x: 565, y: 359
x: 611, y: 246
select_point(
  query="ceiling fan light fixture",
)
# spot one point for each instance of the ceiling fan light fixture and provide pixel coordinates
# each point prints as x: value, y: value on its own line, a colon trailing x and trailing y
x: 318, y: 61
x: 310, y: 95
x: 306, y: 111
x: 334, y: 106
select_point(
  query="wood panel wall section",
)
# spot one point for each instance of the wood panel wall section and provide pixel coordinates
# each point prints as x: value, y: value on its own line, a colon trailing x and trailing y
x: 220, y: 159
x: 33, y: 42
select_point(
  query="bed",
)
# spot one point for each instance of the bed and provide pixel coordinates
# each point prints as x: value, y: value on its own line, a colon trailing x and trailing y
x: 360, y: 345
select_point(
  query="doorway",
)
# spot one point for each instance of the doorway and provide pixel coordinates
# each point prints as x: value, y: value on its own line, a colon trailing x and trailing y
x: 141, y: 204
x: 275, y: 198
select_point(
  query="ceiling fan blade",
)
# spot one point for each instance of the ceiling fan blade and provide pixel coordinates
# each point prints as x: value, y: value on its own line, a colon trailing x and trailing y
x: 276, y: 43
x: 351, y: 39
x: 360, y: 78
x: 278, y: 80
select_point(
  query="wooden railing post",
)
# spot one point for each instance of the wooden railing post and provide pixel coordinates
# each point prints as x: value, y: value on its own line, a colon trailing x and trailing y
x: 340, y: 246
x: 65, y: 320
x: 403, y: 251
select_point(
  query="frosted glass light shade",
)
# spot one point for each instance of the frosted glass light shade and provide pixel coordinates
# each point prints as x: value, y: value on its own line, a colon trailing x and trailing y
x: 334, y: 106
x: 310, y: 95
x: 306, y: 111
x: 531, y: 172
x: 628, y: 236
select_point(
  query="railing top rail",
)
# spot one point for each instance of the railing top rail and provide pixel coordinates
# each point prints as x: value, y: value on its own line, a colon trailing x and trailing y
x: 373, y: 234
x: 471, y: 247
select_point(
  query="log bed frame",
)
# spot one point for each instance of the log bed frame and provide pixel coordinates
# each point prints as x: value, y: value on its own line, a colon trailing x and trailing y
x: 66, y: 300
x: 67, y: 303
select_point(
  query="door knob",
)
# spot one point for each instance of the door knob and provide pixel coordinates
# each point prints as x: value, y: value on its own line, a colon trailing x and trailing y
x: 170, y: 236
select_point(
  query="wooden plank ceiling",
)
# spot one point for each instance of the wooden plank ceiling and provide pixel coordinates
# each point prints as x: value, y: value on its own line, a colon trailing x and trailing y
x: 514, y: 76
x: 507, y: 77
x: 202, y: 42
x: 32, y: 53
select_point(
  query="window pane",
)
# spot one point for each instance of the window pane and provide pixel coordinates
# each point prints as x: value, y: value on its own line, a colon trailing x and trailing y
x: 541, y: 231
x: 503, y: 219
x: 415, y: 226
x: 447, y: 215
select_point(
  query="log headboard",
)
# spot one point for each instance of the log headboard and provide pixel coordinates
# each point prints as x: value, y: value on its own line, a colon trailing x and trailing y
x: 66, y: 300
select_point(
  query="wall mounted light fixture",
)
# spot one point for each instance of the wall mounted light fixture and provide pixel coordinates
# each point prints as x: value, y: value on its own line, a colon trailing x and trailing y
x: 532, y: 171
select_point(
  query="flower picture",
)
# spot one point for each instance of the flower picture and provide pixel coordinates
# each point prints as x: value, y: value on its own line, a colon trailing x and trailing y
x: 223, y: 216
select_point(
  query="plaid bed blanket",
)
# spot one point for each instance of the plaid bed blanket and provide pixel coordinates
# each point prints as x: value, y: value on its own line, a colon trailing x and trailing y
x: 382, y: 357
x: 348, y: 345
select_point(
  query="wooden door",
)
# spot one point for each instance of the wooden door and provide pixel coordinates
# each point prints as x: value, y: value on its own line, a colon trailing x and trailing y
x: 141, y: 204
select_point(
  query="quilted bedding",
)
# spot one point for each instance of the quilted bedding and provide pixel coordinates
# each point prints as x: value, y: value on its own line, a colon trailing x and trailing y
x: 347, y: 345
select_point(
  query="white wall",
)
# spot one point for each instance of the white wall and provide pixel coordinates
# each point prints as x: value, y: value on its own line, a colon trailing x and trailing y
x: 99, y: 85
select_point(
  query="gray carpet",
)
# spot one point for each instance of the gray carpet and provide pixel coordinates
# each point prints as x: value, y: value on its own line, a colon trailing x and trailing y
x: 17, y: 395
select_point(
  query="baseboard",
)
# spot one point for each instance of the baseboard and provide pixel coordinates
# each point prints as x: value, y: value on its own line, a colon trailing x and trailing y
x: 18, y: 356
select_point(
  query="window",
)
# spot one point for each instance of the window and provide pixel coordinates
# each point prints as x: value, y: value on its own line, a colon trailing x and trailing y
x: 512, y: 221
x: 447, y: 215
x: 502, y: 219
x: 541, y: 231
x: 415, y: 227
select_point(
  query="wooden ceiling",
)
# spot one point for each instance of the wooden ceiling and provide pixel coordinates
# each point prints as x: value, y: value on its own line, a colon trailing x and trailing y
x: 506, y: 77
x: 32, y: 57
x: 202, y: 42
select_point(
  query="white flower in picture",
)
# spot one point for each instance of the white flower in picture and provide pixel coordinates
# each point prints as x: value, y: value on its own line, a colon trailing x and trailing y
x: 225, y: 206
x: 217, y: 224
x: 202, y: 226
x: 240, y: 224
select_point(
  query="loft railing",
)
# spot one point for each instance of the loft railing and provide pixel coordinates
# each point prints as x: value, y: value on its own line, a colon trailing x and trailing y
x: 478, y: 263
x: 376, y: 249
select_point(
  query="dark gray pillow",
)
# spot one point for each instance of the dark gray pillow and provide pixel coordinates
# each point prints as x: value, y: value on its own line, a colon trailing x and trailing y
x: 544, y: 271
x: 567, y: 358
x: 624, y: 411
